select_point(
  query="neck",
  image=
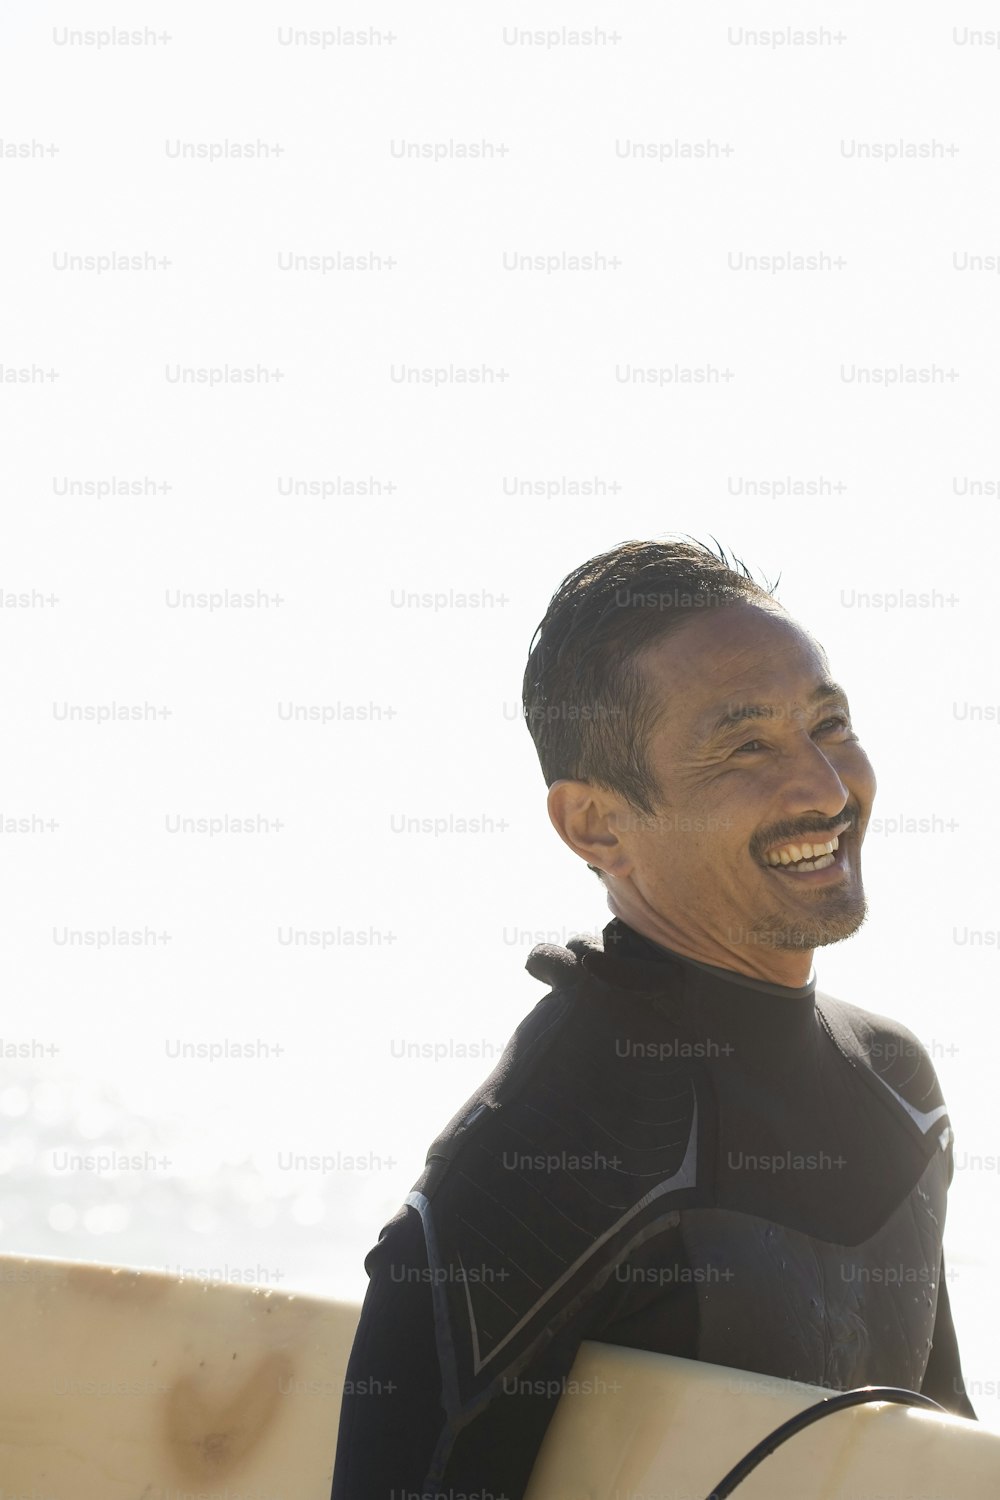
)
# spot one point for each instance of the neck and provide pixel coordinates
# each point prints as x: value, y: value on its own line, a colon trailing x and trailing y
x: 791, y: 967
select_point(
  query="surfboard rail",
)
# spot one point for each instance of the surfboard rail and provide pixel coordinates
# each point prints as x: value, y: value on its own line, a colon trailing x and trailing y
x: 632, y: 1425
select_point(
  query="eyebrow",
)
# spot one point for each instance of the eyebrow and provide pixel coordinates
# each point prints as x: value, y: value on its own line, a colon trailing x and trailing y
x: 734, y: 717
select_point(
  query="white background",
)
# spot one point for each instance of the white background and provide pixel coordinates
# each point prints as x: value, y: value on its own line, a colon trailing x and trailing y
x: 907, y: 477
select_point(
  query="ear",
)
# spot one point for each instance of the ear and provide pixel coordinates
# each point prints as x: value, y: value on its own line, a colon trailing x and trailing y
x: 584, y: 817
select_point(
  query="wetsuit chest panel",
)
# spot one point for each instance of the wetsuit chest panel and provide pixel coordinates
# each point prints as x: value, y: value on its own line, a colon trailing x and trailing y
x: 806, y: 1309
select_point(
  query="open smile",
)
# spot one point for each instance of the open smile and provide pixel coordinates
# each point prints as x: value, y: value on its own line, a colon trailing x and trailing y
x: 815, y: 860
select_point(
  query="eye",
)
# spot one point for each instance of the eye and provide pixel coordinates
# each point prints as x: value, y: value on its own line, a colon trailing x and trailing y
x: 839, y: 721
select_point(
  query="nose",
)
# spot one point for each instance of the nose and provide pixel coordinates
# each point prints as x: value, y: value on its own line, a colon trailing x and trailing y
x: 811, y: 785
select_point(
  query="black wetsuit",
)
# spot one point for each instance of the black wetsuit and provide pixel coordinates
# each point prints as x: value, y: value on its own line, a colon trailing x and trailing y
x: 668, y: 1156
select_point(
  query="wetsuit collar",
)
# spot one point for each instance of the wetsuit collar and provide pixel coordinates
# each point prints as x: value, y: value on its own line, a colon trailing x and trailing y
x: 624, y: 943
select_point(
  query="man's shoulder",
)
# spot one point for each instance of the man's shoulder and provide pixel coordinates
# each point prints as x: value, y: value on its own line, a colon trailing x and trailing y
x: 520, y: 1071
x: 514, y: 1073
x: 886, y: 1050
x: 551, y: 1110
x: 474, y: 1125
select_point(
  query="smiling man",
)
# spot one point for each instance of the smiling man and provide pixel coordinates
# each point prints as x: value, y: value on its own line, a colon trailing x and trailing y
x: 686, y: 1147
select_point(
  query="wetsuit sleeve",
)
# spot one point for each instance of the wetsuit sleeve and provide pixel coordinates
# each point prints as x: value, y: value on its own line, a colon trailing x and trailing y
x: 943, y: 1380
x: 393, y: 1422
x: 390, y: 1414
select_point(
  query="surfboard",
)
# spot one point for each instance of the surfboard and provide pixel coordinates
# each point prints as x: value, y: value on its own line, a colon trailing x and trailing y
x: 637, y: 1426
x: 121, y: 1384
x: 125, y: 1384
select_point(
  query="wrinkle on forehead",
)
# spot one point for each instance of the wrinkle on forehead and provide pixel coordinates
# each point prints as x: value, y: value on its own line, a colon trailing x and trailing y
x: 709, y: 663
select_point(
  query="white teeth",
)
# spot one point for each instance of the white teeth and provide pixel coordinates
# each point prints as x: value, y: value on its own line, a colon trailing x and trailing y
x: 789, y: 854
x: 821, y: 863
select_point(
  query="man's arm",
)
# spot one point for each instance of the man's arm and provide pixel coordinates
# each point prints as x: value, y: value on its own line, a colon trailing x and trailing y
x: 394, y: 1430
x: 943, y: 1380
x: 391, y: 1415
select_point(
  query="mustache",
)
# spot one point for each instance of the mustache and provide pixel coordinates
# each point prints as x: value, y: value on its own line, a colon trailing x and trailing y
x: 789, y: 835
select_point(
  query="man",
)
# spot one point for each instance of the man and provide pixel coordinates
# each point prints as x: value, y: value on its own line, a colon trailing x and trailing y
x: 685, y: 1147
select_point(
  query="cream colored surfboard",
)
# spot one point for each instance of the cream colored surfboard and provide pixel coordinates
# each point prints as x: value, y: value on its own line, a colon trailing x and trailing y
x: 638, y: 1426
x: 118, y: 1384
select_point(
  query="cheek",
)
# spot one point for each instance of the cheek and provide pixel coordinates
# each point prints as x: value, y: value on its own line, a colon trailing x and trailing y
x: 743, y: 796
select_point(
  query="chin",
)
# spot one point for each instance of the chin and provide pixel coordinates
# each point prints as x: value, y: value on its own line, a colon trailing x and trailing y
x: 778, y: 931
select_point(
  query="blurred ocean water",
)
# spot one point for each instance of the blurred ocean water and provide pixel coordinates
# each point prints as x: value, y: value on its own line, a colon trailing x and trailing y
x: 87, y: 1175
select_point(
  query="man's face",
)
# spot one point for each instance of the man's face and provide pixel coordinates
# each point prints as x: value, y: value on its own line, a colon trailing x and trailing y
x: 785, y: 770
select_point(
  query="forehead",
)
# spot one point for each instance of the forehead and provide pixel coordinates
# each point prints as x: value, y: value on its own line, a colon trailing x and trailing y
x: 731, y: 656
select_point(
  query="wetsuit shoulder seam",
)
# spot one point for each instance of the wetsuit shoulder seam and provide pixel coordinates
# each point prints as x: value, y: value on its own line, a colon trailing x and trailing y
x: 896, y: 1106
